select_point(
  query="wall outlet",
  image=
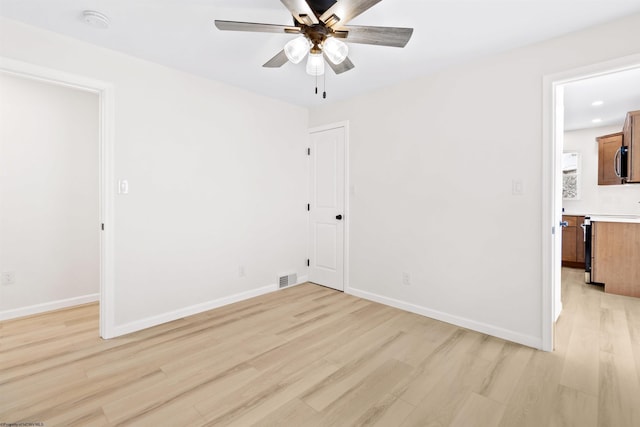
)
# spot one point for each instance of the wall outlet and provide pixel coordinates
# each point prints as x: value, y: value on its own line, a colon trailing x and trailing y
x: 123, y: 186
x: 517, y: 187
x: 8, y: 278
x: 406, y: 279
x: 241, y: 271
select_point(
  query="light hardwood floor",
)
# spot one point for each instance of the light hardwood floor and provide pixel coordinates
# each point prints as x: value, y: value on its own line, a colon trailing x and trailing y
x: 310, y: 356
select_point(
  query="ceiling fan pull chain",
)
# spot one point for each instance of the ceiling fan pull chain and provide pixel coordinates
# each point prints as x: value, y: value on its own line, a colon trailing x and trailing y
x: 324, y: 84
x: 316, y: 84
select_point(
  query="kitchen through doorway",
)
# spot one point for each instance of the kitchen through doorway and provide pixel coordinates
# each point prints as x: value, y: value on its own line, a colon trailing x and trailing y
x: 564, y: 186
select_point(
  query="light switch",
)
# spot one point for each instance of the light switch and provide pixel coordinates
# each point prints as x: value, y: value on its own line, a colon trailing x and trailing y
x: 123, y: 186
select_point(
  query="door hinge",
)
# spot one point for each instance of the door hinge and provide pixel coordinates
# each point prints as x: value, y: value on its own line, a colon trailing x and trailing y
x: 553, y: 229
x: 102, y: 226
x: 308, y: 263
x: 308, y: 206
x: 308, y: 151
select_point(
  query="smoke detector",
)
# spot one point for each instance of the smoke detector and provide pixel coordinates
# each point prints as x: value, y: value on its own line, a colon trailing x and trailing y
x: 96, y: 19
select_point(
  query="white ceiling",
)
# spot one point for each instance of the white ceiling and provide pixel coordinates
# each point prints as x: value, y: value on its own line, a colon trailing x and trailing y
x: 619, y: 93
x: 181, y: 34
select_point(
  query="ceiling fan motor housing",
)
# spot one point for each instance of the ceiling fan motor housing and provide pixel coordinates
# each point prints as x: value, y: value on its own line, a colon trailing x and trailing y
x: 317, y: 34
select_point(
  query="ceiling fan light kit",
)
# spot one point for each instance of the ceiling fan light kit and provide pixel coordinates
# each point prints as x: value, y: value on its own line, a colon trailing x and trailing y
x: 335, y: 50
x: 321, y: 27
x: 297, y: 49
x: 315, y: 64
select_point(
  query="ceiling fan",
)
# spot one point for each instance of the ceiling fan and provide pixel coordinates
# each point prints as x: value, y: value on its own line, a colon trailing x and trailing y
x: 321, y: 27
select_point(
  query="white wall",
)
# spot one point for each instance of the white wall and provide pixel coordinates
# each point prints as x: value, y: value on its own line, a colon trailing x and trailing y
x: 48, y: 194
x: 217, y: 180
x: 432, y: 164
x: 594, y: 198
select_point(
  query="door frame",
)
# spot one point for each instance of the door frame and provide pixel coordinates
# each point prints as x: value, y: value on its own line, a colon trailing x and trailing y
x: 552, y: 142
x: 105, y: 92
x: 347, y: 196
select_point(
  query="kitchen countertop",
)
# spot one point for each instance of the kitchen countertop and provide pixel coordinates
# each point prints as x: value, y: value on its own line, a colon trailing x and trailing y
x: 615, y: 218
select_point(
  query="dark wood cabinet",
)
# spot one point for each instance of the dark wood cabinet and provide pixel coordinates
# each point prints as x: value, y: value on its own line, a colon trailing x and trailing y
x: 608, y: 159
x: 573, y: 242
x: 631, y: 140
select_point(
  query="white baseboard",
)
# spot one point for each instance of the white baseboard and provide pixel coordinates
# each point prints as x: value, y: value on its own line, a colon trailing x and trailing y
x: 159, y: 319
x: 195, y: 309
x: 47, y: 306
x: 301, y: 280
x: 506, y: 334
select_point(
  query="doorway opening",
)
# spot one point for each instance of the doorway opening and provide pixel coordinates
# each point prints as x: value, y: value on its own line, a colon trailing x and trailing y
x: 104, y: 225
x: 552, y: 181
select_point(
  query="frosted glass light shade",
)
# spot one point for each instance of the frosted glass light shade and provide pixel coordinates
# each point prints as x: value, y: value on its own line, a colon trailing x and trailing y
x: 297, y: 49
x: 335, y: 50
x: 315, y: 64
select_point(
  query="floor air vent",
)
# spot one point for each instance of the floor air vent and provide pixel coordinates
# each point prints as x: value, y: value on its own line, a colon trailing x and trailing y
x: 288, y: 280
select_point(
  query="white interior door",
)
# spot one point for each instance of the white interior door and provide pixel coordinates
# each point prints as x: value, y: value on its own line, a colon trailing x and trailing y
x: 326, y: 210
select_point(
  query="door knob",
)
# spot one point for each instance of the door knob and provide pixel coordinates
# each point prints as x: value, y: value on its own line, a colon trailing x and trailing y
x: 338, y: 216
x: 564, y: 224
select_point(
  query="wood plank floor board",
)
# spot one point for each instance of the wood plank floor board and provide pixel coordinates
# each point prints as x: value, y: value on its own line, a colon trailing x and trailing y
x: 490, y: 348
x: 146, y: 358
x: 318, y: 342
x: 505, y: 372
x: 535, y: 394
x: 93, y: 352
x: 178, y: 393
x: 439, y: 364
x: 33, y: 323
x: 311, y: 356
x: 574, y: 408
x: 361, y: 344
x: 613, y: 328
x: 39, y: 388
x: 172, y: 414
x: 94, y: 418
x: 563, y: 329
x: 58, y: 335
x: 70, y: 397
x: 293, y: 413
x: 582, y: 361
x: 351, y: 373
x: 219, y: 357
x: 478, y: 411
x: 295, y: 385
x: 303, y: 325
x: 388, y: 411
x: 635, y: 349
x: 619, y: 392
x: 354, y: 402
x: 442, y: 401
x: 265, y: 392
x: 633, y: 322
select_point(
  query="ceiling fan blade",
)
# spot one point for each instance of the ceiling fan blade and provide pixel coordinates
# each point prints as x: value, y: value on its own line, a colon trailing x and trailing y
x: 301, y: 11
x: 346, y: 10
x: 342, y: 67
x: 255, y: 27
x: 381, y: 36
x: 277, y: 61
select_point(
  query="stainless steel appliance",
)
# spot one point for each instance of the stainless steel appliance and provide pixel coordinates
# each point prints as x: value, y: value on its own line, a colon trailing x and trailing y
x: 586, y: 228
